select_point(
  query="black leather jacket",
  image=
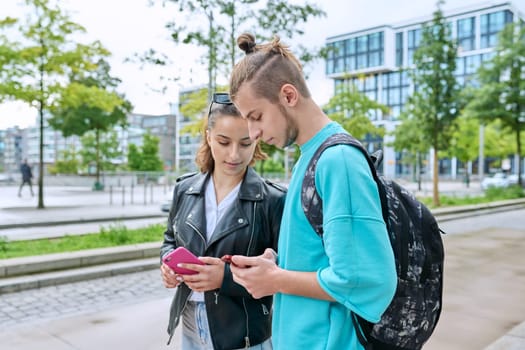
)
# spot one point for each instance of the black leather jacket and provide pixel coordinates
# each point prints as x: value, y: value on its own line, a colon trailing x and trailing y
x: 236, y: 320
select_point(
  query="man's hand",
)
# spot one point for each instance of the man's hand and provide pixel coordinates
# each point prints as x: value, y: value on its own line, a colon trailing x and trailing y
x: 258, y: 274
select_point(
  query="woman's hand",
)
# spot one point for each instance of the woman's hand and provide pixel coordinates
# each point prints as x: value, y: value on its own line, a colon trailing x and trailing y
x: 169, y: 277
x: 208, y: 276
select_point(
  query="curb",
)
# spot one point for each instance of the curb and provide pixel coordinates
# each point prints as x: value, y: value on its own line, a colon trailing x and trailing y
x: 79, y: 259
x: 19, y: 274
x: 80, y: 221
x: 25, y: 282
x: 25, y: 273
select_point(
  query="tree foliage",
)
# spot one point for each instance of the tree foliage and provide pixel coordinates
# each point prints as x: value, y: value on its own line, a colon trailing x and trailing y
x: 67, y: 163
x: 145, y: 157
x: 215, y: 25
x: 352, y: 110
x: 502, y: 79
x: 100, y: 149
x: 434, y: 103
x: 90, y: 103
x: 464, y: 142
x: 409, y: 139
x: 37, y: 57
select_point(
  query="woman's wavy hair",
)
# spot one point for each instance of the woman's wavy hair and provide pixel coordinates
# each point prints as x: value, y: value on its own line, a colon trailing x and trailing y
x: 267, y: 67
x: 204, y: 158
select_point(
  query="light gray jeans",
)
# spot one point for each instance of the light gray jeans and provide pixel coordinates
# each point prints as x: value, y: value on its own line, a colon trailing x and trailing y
x: 196, y: 333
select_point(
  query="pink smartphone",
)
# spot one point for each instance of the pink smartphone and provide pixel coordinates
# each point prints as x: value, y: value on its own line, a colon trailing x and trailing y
x: 181, y: 255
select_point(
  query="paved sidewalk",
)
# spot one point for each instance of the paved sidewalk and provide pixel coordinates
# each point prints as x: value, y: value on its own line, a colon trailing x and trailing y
x: 132, y: 307
x: 77, y: 204
x: 77, y: 210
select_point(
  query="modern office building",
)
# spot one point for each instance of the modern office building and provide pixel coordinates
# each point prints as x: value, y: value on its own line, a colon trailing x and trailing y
x: 375, y: 60
x: 11, y: 141
x: 17, y: 144
x: 187, y: 143
x: 162, y: 126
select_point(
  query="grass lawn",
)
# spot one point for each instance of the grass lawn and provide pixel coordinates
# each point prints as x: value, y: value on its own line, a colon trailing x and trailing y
x: 117, y: 235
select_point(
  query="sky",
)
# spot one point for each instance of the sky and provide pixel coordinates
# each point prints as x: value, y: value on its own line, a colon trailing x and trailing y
x: 126, y: 27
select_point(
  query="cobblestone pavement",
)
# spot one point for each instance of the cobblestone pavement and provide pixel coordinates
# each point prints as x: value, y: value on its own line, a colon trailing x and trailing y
x: 44, y: 304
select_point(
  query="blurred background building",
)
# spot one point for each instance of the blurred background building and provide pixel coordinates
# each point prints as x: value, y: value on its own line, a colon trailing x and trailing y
x: 376, y: 60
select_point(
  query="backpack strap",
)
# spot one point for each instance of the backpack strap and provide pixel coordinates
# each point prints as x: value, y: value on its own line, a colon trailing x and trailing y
x: 310, y: 199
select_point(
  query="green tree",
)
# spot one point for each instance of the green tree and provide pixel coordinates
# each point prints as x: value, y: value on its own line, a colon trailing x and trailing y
x: 150, y: 153
x: 436, y: 95
x: 224, y: 20
x: 134, y: 157
x: 146, y: 157
x: 502, y: 80
x: 464, y: 144
x: 100, y: 149
x: 498, y: 140
x: 352, y: 110
x: 408, y: 138
x: 67, y: 162
x: 36, y: 68
x: 90, y: 103
x: 195, y: 105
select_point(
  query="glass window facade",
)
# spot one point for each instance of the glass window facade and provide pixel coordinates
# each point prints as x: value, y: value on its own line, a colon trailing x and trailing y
x: 491, y: 24
x: 399, y: 49
x: 361, y: 52
x: 414, y: 38
x: 466, y: 30
x: 395, y: 91
x: 467, y: 67
x: 366, y: 85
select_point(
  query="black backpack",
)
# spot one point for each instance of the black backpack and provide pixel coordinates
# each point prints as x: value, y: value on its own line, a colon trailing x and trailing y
x: 416, y: 241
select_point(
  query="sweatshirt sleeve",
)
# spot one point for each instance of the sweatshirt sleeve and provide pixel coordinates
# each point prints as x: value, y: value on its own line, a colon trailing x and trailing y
x: 361, y: 272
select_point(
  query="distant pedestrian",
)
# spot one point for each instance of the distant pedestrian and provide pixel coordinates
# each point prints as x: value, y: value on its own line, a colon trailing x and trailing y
x: 27, y: 175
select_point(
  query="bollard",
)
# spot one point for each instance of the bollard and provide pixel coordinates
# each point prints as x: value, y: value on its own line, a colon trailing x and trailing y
x: 151, y: 193
x: 111, y: 195
x: 145, y: 193
x: 131, y: 194
x: 123, y: 195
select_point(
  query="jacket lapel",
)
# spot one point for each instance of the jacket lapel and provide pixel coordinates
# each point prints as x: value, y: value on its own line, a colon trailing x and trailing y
x: 237, y: 217
x: 234, y: 219
x: 197, y: 215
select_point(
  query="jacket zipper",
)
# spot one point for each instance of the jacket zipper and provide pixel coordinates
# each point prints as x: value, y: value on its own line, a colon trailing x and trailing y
x: 178, y: 318
x: 200, y: 234
x: 247, y: 337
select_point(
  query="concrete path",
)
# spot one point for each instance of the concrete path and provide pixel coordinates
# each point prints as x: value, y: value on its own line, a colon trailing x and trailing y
x: 484, y: 300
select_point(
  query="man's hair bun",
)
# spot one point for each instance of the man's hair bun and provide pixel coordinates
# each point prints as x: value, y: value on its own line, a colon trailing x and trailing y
x: 246, y: 42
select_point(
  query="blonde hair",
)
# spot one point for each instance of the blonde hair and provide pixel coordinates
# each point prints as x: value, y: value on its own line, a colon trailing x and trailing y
x: 267, y: 67
x: 204, y: 158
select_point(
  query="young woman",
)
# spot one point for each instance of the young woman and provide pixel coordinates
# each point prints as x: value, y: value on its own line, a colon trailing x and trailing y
x: 225, y: 209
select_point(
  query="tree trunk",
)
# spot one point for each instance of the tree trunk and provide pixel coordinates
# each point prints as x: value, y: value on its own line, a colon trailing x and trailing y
x: 41, y: 159
x: 97, y: 146
x: 467, y: 175
x: 419, y: 169
x: 435, y: 178
x: 518, y: 143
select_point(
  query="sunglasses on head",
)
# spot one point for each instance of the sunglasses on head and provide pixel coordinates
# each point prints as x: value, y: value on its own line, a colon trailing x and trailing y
x: 222, y: 98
